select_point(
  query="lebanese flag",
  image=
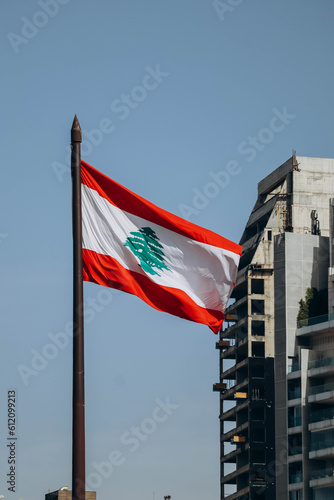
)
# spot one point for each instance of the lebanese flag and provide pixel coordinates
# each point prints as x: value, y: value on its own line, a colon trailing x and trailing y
x: 173, y: 265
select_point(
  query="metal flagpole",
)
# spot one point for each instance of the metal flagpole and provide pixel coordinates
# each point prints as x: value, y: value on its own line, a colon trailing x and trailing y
x: 78, y: 422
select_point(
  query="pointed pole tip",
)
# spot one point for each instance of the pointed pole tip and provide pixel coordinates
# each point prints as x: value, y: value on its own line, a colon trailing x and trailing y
x: 76, y: 135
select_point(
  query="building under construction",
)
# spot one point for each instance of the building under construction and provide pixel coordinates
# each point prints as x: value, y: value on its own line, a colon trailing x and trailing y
x: 285, y: 253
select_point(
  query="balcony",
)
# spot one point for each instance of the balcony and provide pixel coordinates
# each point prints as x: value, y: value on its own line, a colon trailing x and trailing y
x: 295, y: 450
x: 319, y: 419
x: 322, y: 444
x: 295, y: 421
x: 295, y: 394
x: 294, y: 371
x: 317, y: 389
x: 321, y: 393
x: 295, y: 367
x: 320, y: 415
x: 321, y: 362
x: 321, y: 367
x: 296, y: 478
x: 322, y: 478
x: 318, y: 474
x: 316, y: 320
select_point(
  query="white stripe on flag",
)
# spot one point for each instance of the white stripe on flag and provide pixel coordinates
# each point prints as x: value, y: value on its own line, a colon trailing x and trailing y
x: 202, y: 271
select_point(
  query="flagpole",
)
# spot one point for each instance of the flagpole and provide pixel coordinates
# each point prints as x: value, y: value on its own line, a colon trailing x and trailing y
x: 78, y: 422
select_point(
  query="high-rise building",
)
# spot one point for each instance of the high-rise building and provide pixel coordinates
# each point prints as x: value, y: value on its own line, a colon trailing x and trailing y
x: 269, y: 393
x: 308, y: 424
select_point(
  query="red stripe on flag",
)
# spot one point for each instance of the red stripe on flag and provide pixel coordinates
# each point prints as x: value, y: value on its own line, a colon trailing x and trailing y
x: 126, y: 200
x: 106, y: 271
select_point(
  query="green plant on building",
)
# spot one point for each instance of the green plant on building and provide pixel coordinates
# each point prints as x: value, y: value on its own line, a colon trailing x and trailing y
x: 314, y: 304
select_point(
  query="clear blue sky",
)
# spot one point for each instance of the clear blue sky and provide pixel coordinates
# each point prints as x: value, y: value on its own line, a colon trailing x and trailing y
x: 222, y: 82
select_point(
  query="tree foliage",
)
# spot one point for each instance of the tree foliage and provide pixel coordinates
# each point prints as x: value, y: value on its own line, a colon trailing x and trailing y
x: 314, y: 304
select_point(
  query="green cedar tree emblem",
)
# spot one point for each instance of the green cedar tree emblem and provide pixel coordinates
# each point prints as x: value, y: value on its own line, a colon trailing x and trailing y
x: 145, y: 245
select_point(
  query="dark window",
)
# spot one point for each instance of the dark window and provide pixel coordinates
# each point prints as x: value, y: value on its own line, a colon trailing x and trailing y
x: 258, y: 435
x: 258, y: 286
x: 258, y: 328
x: 258, y: 349
x: 258, y: 457
x: 258, y: 413
x: 258, y: 307
x: 258, y: 370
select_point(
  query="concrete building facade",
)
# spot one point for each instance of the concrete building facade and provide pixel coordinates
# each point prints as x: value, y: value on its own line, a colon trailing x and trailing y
x: 285, y: 252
